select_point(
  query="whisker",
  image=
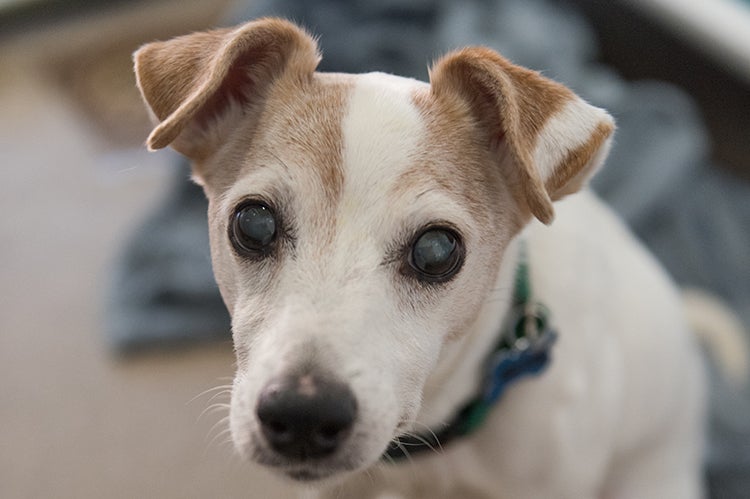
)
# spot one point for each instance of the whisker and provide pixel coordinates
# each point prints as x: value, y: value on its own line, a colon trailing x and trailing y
x: 217, y: 424
x: 369, y: 474
x: 215, y: 439
x: 219, y: 394
x: 205, y: 392
x: 423, y: 441
x: 211, y: 443
x: 404, y: 450
x: 212, y: 409
x: 434, y: 436
x: 228, y: 444
x: 225, y: 434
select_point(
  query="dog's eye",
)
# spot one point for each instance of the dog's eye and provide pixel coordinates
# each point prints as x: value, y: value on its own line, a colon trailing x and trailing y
x: 253, y: 228
x: 437, y: 254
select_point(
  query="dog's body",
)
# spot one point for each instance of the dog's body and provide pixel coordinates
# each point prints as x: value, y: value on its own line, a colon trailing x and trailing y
x: 365, y: 233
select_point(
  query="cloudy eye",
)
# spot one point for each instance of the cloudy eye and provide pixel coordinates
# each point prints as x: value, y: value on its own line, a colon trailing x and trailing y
x: 436, y: 254
x: 253, y: 229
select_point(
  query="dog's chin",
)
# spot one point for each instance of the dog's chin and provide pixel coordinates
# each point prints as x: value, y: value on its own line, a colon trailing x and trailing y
x: 311, y: 474
x: 310, y: 471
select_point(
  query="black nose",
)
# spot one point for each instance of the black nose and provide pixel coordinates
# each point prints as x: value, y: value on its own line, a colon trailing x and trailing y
x: 306, y: 416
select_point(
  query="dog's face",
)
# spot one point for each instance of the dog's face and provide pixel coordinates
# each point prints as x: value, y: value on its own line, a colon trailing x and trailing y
x: 357, y: 222
x: 375, y: 252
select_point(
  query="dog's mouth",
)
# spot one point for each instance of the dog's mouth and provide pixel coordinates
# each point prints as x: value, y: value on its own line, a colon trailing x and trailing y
x: 308, y: 471
x: 308, y: 474
x: 304, y: 470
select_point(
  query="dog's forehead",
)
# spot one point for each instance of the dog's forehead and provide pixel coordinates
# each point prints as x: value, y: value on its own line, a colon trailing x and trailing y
x: 361, y: 149
x: 402, y: 148
x: 382, y: 132
x: 342, y: 133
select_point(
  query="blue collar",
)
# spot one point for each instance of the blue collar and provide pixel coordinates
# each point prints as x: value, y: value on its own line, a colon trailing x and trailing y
x: 523, y: 349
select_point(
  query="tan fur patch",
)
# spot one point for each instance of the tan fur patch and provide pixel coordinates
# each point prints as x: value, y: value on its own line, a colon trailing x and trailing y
x: 457, y: 159
x: 308, y: 126
x: 297, y: 133
x: 298, y: 130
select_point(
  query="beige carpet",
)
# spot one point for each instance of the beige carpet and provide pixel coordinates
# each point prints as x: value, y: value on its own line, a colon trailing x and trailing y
x: 74, y: 421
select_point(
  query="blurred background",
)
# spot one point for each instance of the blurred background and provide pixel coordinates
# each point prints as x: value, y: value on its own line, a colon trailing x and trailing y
x: 113, y: 339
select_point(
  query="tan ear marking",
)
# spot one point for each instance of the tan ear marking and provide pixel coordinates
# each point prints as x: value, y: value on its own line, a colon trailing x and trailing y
x: 550, y: 133
x: 190, y: 79
x: 573, y: 171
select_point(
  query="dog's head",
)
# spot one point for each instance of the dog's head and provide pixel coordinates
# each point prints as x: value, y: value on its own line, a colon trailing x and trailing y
x: 357, y: 222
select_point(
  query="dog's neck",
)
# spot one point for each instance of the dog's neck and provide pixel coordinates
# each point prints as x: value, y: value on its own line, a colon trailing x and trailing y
x: 457, y: 377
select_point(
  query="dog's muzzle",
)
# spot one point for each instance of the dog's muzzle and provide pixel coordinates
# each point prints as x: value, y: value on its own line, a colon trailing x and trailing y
x: 306, y: 417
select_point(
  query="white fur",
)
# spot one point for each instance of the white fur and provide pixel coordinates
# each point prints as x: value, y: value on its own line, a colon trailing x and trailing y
x: 563, y: 132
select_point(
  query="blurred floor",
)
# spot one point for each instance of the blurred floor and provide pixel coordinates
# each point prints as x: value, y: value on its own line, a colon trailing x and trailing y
x: 74, y: 421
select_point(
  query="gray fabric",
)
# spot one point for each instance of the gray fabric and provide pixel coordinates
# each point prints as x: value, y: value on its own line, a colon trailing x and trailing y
x: 163, y: 292
x: 658, y: 177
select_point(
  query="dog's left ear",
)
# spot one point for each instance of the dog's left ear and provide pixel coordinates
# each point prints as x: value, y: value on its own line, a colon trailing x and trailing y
x: 556, y: 140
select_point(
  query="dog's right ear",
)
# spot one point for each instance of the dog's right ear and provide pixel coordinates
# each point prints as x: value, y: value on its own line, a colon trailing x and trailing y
x: 191, y: 83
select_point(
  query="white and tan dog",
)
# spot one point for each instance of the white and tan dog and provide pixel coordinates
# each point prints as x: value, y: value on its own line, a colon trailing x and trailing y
x: 365, y: 232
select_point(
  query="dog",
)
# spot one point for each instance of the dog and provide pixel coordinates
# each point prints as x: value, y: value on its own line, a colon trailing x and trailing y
x: 408, y: 321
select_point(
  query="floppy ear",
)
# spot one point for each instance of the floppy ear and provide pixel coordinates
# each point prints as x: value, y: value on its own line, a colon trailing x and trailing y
x: 196, y: 84
x: 556, y: 140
